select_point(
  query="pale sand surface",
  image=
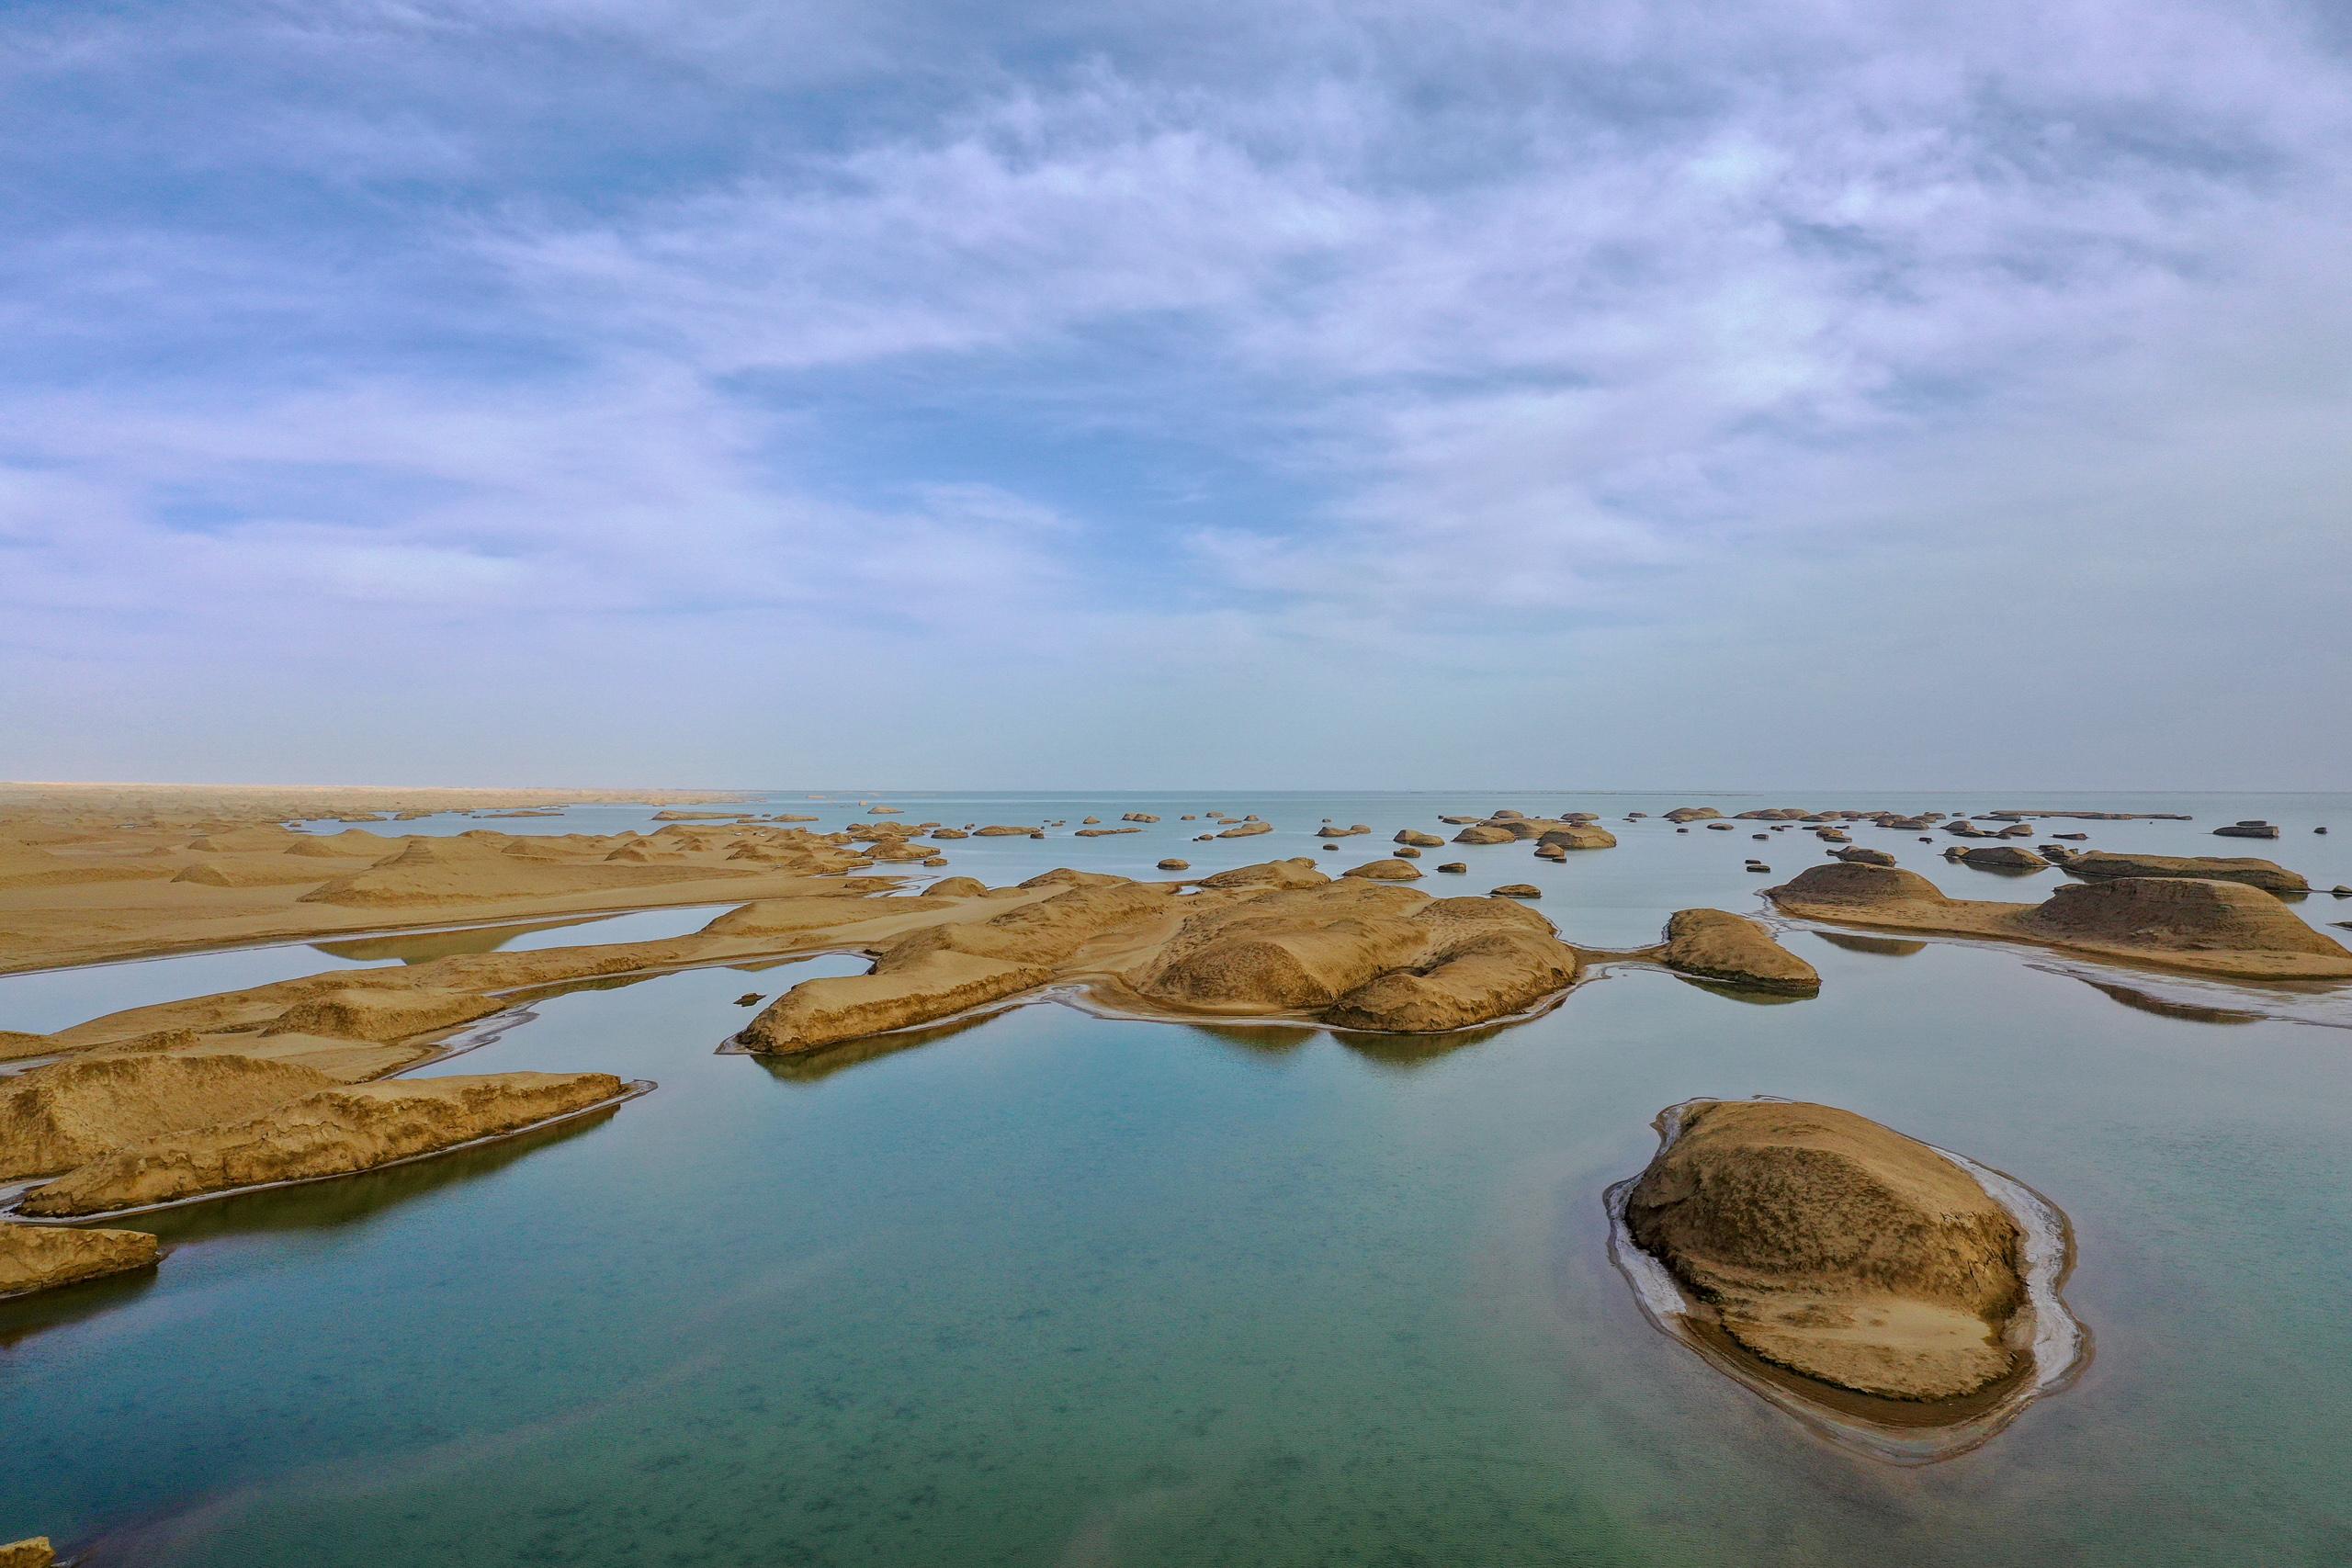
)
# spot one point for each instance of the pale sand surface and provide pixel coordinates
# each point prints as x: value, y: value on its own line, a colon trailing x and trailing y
x: 93, y: 873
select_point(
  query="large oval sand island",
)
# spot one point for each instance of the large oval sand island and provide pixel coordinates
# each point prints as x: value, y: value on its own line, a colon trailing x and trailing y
x: 1899, y: 1299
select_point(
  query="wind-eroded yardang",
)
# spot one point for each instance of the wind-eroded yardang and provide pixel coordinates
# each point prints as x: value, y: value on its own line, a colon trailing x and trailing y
x: 1899, y: 1299
x: 1826, y: 1244
x: 2202, y: 927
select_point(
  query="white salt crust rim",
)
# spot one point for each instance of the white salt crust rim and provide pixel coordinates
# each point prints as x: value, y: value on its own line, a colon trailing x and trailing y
x: 2053, y: 1340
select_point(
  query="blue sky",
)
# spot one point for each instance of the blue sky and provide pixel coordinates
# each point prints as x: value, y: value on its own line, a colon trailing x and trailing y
x: 1390, y: 394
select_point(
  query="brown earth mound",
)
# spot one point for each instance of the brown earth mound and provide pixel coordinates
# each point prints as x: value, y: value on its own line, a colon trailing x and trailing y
x: 2211, y: 928
x: 1384, y: 871
x: 2100, y: 865
x: 41, y: 1257
x: 1358, y: 956
x: 2179, y: 915
x: 335, y: 1131
x: 1299, y: 871
x: 16, y: 1044
x: 71, y: 1112
x: 943, y: 970
x: 2001, y: 857
x: 1833, y: 1247
x: 1713, y: 944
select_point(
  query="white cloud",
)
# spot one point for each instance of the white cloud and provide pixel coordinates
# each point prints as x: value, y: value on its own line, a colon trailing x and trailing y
x: 1585, y: 337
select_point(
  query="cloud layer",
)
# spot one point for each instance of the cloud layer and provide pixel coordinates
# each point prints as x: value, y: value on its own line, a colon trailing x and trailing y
x: 1402, y: 395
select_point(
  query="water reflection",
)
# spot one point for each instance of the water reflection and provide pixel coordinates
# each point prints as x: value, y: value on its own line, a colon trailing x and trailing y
x: 815, y: 1066
x: 1262, y: 1040
x: 420, y: 947
x: 1755, y: 996
x: 1884, y: 946
x: 26, y: 1316
x: 347, y: 1202
x: 2169, y: 1007
x: 1408, y: 1052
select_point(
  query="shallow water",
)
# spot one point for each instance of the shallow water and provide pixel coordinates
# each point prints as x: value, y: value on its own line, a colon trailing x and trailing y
x: 1053, y: 1288
x: 46, y: 1001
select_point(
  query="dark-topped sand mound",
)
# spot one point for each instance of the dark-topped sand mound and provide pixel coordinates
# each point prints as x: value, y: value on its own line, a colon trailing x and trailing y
x: 1999, y: 857
x: 2099, y: 865
x: 2210, y: 928
x: 2178, y: 915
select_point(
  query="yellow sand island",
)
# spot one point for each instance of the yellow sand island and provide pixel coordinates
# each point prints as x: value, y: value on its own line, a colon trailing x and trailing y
x: 39, y: 1258
x: 2197, y: 926
x: 336, y: 1131
x: 1895, y: 1297
x: 1829, y: 1245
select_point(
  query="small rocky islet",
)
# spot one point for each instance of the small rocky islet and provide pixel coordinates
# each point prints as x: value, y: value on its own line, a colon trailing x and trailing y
x: 1849, y: 1262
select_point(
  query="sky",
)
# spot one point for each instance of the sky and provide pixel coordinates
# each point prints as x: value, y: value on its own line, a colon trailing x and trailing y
x: 1223, y: 393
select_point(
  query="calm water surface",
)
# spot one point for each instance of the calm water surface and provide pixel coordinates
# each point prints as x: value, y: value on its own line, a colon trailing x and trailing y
x: 1058, y: 1290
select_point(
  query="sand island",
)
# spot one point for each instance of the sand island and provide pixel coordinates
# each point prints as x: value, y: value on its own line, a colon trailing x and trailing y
x: 1896, y: 1295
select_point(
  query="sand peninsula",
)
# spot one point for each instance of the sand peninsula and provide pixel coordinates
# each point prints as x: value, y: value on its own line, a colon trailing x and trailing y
x: 2098, y: 865
x: 95, y: 872
x: 1278, y: 941
x: 2201, y: 927
x: 1896, y: 1297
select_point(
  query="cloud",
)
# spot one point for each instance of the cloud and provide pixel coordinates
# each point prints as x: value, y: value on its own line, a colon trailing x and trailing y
x: 1206, y: 350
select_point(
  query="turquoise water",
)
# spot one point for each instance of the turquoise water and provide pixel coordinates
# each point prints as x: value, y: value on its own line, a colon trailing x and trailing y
x: 1053, y: 1289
